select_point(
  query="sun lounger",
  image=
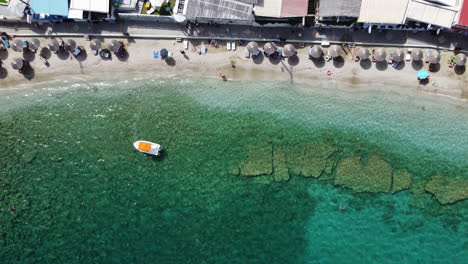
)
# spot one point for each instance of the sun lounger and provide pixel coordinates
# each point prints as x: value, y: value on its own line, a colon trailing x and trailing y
x: 203, y: 49
x: 407, y: 57
x: 156, y: 54
x: 233, y: 46
x: 186, y: 45
x: 228, y: 45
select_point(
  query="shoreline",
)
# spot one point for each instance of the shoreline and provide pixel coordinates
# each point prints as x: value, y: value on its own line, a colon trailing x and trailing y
x: 140, y: 63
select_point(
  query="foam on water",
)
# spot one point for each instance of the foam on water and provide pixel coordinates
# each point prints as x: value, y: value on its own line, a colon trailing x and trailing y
x: 73, y: 190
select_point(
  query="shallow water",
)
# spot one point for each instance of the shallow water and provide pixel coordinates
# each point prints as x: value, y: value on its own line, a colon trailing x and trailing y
x: 74, y: 191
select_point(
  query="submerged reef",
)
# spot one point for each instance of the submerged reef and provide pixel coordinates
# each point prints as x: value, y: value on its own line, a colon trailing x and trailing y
x: 448, y: 190
x: 375, y: 176
x: 361, y: 173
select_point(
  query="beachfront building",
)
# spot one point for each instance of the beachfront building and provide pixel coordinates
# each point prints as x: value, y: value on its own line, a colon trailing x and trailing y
x: 462, y: 18
x: 49, y: 9
x: 281, y: 10
x: 338, y: 11
x: 89, y: 9
x: 383, y: 13
x: 215, y: 11
x: 12, y: 9
x: 434, y: 13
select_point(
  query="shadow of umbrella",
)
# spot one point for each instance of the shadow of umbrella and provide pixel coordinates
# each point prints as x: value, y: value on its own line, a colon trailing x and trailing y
x: 365, y: 64
x: 82, y: 56
x: 459, y: 70
x: 319, y: 62
x: 29, y: 55
x: 434, y: 67
x: 258, y: 59
x: 45, y: 52
x: 381, y: 65
x: 170, y: 61
x: 275, y: 59
x: 293, y: 60
x: 3, y: 73
x: 3, y: 54
x: 123, y: 55
x: 417, y: 64
x: 29, y: 73
x: 338, y: 62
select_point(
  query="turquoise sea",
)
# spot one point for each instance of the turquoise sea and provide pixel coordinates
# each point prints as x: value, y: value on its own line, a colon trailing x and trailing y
x: 252, y: 172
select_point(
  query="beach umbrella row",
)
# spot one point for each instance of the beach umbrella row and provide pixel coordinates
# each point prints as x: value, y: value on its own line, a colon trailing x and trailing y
x: 19, y: 45
x: 398, y: 55
x: 380, y: 54
x: 460, y: 59
x: 17, y: 63
x: 252, y: 47
x: 416, y: 54
x: 434, y: 57
x: 95, y: 44
x: 363, y: 53
x: 53, y: 45
x: 289, y: 50
x: 316, y: 52
x: 335, y: 51
x: 269, y: 48
x: 114, y: 46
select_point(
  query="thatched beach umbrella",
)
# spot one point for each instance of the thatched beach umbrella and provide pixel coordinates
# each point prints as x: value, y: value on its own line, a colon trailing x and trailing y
x: 335, y: 51
x: 252, y: 47
x: 289, y: 50
x: 363, y: 53
x: 70, y: 45
x: 434, y: 57
x: 17, y: 45
x: 460, y: 59
x: 34, y: 44
x: 269, y: 48
x: 114, y: 46
x: 17, y: 63
x: 417, y: 55
x: 95, y: 44
x: 53, y: 45
x: 316, y: 52
x: 380, y: 54
x: 398, y: 55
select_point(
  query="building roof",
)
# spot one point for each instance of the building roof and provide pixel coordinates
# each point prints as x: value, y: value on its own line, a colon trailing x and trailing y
x: 281, y: 8
x: 99, y: 6
x: 463, y: 20
x: 14, y: 9
x: 371, y: 11
x: 49, y: 7
x: 219, y: 9
x: 339, y: 8
x: 431, y: 13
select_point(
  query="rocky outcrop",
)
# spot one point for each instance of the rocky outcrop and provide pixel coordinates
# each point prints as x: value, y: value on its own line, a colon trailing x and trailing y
x: 375, y: 176
x: 281, y: 172
x: 258, y: 160
x: 401, y: 181
x: 448, y: 190
x: 316, y: 159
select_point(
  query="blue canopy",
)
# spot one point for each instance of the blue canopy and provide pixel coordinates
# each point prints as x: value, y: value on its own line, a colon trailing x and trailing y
x: 423, y: 74
x: 50, y: 7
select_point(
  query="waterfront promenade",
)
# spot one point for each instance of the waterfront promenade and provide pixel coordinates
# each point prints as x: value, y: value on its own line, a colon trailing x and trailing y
x: 158, y: 30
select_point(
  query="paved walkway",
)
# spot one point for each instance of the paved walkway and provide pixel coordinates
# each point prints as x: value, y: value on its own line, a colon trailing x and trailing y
x: 140, y: 29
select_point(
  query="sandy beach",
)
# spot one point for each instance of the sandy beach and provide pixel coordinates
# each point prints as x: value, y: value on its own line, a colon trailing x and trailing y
x: 140, y: 64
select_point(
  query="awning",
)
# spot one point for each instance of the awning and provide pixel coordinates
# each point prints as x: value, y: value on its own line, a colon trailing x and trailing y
x: 50, y: 7
x: 431, y: 14
x: 76, y: 14
x: 371, y: 11
x: 98, y: 6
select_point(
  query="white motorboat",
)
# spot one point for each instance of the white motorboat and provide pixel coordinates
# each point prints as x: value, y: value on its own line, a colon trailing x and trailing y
x: 147, y: 147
